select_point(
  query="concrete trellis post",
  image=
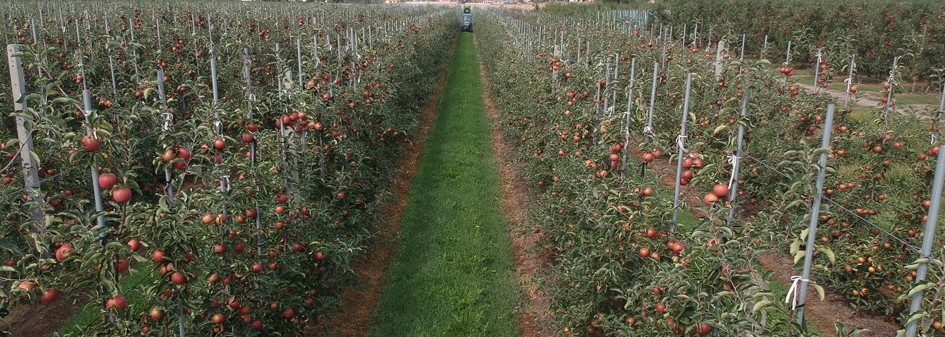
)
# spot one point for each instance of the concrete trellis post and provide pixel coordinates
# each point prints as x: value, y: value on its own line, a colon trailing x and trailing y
x: 25, y: 137
x: 719, y: 60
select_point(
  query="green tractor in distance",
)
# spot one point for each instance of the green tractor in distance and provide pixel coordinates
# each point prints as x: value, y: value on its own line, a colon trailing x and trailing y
x: 467, y: 25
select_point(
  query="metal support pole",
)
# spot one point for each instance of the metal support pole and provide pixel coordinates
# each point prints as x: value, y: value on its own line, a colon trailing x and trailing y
x: 846, y: 98
x: 941, y: 104
x: 764, y: 48
x: 626, y: 117
x: 736, y: 165
x: 817, y: 72
x: 927, y: 240
x: 741, y: 56
x: 298, y: 58
x: 649, y: 114
x: 681, y: 151
x: 889, y: 95
x: 787, y: 62
x: 814, y: 217
x: 613, y: 98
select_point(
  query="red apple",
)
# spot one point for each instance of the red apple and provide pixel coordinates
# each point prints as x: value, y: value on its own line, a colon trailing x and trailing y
x: 720, y: 190
x: 134, y: 244
x: 157, y: 256
x: 91, y: 144
x: 183, y: 153
x: 121, y: 195
x: 178, y: 278
x: 157, y: 314
x: 63, y: 252
x: 107, y: 181
x: 121, y: 266
x: 116, y: 302
x: 49, y: 295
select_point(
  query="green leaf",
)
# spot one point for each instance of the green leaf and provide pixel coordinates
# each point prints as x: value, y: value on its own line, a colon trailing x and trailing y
x: 829, y: 252
x: 917, y: 289
x: 820, y: 291
x: 162, y: 203
x: 719, y: 129
x: 857, y: 331
x: 114, y: 245
x: 760, y: 305
x: 35, y: 156
x: 914, y: 317
x: 818, y: 151
x: 64, y: 100
x: 799, y: 255
x: 725, y: 293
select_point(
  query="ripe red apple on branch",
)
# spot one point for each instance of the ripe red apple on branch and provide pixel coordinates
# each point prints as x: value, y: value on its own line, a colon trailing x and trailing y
x: 121, y: 195
x: 107, y: 180
x: 49, y: 295
x: 91, y: 144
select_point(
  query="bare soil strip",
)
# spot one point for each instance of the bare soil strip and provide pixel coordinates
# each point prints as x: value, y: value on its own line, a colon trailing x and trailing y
x: 38, y: 319
x: 534, y: 315
x: 353, y: 320
x: 821, y: 314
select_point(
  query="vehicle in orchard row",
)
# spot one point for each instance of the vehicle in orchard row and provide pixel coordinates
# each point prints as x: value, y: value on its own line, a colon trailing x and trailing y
x: 467, y: 24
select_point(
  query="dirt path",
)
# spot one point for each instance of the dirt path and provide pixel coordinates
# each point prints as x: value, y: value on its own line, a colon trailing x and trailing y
x: 821, y: 314
x: 872, y: 100
x: 370, y: 267
x: 534, y: 319
x: 834, y: 307
x: 38, y: 319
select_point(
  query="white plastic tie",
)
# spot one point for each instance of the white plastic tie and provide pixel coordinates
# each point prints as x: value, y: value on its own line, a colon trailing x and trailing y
x: 793, y: 291
x: 168, y: 118
x: 681, y: 142
x: 647, y: 130
x: 733, y: 160
x: 933, y: 138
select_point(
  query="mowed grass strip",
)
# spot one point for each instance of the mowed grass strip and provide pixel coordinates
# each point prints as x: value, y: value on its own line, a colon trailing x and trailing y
x: 453, y: 273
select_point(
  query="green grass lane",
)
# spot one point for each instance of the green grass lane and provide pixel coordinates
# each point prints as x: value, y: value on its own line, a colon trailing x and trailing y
x: 453, y: 273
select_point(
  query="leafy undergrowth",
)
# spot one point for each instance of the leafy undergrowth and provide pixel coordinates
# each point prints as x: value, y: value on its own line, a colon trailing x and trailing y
x: 452, y: 273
